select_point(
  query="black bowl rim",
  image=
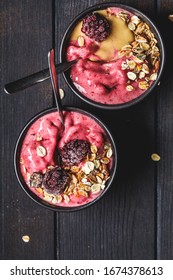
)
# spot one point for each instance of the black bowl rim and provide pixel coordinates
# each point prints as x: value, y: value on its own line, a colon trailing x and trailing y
x: 154, y: 29
x: 21, y: 181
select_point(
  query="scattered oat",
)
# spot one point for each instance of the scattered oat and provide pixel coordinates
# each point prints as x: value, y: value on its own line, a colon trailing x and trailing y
x: 143, y: 85
x: 129, y: 88
x: 26, y: 238
x: 131, y: 26
x: 131, y: 75
x: 155, y: 157
x: 105, y: 160
x: 58, y: 198
x: 88, y: 167
x: 109, y: 153
x: 93, y: 149
x: 83, y: 193
x: 47, y: 196
x: 145, y: 68
x: 66, y: 198
x: 95, y: 188
x: 170, y: 17
x: 81, y: 41
x: 61, y: 93
x: 41, y: 151
x: 153, y: 77
x: 141, y: 75
x: 39, y: 138
x: 74, y: 169
x: 135, y: 20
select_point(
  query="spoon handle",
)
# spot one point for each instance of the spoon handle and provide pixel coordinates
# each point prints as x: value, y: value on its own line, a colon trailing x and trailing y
x: 53, y: 75
x: 35, y: 78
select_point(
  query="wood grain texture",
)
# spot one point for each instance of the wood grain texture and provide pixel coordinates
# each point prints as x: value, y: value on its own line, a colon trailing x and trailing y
x: 26, y: 37
x: 122, y: 224
x: 165, y: 139
x: 134, y: 218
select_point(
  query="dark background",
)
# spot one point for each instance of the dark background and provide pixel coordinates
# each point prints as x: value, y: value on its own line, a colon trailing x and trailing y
x: 134, y: 220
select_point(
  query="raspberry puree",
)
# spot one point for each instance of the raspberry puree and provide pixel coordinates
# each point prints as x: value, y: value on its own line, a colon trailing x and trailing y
x: 47, y: 132
x: 120, y: 68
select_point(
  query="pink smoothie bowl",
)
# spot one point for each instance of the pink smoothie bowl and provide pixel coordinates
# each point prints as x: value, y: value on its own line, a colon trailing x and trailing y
x: 65, y: 168
x: 120, y: 55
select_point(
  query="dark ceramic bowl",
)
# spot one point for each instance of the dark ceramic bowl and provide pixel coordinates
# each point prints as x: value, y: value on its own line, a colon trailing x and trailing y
x: 65, y: 43
x: 34, y: 196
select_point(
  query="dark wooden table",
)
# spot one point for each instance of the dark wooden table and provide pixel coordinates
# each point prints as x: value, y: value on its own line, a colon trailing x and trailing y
x: 134, y: 220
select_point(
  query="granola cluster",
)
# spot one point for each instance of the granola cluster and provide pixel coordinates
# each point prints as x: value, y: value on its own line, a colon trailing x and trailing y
x: 61, y: 183
x: 143, y: 54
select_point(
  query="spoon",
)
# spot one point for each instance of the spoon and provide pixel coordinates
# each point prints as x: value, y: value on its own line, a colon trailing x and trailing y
x: 35, y: 78
x: 52, y: 70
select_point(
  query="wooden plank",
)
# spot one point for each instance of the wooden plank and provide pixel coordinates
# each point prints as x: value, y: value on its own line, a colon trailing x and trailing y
x: 122, y: 224
x: 26, y: 37
x: 164, y: 137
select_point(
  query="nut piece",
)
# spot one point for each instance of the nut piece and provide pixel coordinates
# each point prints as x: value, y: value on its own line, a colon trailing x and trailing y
x: 41, y: 151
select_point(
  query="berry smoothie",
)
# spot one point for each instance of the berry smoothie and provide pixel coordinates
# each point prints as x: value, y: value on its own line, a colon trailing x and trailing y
x: 119, y: 56
x: 66, y: 166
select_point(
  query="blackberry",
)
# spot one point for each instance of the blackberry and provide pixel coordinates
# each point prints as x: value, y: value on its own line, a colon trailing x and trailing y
x: 55, y: 180
x: 36, y: 179
x: 95, y: 26
x: 74, y: 152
